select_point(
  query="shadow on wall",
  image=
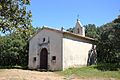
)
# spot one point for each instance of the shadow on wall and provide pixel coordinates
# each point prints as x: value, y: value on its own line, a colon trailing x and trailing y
x: 92, y: 56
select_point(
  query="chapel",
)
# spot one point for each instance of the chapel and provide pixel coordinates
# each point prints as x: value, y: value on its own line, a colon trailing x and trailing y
x: 53, y: 49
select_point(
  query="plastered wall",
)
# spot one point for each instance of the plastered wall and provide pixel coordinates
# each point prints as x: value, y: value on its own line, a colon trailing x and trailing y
x: 75, y: 53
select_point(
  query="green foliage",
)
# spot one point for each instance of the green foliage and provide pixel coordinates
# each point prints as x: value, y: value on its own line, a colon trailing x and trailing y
x: 91, y: 31
x: 108, y: 66
x: 14, y: 48
x: 117, y: 20
x: 13, y: 15
x: 15, y: 20
x: 70, y: 29
x: 91, y: 72
x: 108, y: 47
x: 6, y: 58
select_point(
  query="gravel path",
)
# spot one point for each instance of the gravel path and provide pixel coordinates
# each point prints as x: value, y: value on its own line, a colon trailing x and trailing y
x: 18, y: 74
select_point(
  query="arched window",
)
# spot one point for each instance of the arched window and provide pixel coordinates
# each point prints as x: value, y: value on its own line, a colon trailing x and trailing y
x: 78, y: 30
x: 43, y: 39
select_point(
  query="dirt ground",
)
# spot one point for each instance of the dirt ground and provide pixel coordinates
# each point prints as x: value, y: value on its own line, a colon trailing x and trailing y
x: 19, y: 74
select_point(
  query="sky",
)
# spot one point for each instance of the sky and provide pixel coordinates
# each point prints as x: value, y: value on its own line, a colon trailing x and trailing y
x: 63, y: 13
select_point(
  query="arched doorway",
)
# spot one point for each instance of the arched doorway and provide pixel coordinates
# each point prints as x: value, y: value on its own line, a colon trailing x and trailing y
x: 44, y: 59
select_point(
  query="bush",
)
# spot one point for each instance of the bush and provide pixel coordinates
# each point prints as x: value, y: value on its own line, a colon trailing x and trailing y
x: 108, y: 66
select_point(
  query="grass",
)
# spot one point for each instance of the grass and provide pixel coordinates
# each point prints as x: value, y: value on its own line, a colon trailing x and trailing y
x: 91, y: 72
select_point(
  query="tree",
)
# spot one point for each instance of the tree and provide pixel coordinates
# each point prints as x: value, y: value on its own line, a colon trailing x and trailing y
x: 13, y: 15
x: 117, y: 20
x: 14, y: 48
x: 71, y: 29
x: 109, y: 42
x: 91, y: 30
x: 15, y: 20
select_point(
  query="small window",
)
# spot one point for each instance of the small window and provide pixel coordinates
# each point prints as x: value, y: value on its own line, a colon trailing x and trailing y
x: 34, y: 58
x: 78, y: 30
x: 53, y: 57
x: 43, y: 39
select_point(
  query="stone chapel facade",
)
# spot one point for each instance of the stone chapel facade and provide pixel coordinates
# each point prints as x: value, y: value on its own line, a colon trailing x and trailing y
x: 53, y: 49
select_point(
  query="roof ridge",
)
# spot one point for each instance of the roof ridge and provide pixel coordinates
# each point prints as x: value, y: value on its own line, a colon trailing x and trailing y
x: 67, y: 32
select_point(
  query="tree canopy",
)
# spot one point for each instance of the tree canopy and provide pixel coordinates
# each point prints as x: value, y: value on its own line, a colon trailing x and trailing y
x: 91, y: 30
x: 15, y: 19
x: 108, y: 46
x: 14, y: 48
x: 14, y: 15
